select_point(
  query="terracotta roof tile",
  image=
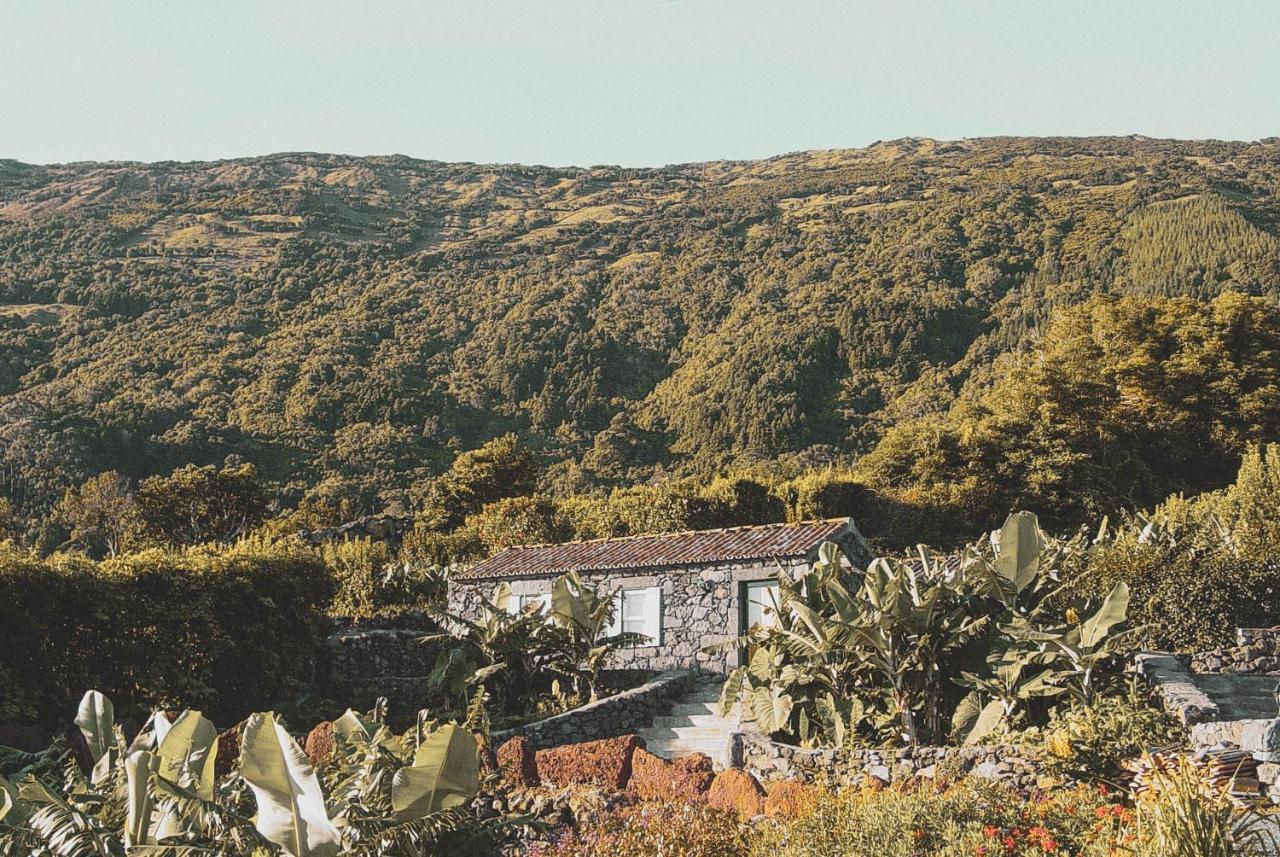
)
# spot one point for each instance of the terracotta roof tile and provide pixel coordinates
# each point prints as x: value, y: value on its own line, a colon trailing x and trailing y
x: 696, y: 547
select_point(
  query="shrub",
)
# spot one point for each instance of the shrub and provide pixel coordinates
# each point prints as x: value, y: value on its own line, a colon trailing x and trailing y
x: 972, y: 817
x: 222, y: 630
x: 679, y: 830
x: 358, y: 567
x: 1091, y: 742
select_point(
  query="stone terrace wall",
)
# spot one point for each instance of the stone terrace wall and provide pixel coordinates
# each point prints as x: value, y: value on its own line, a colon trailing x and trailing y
x: 1257, y: 652
x: 621, y: 714
x: 1182, y: 698
x: 699, y: 607
x: 773, y: 762
x: 380, y: 657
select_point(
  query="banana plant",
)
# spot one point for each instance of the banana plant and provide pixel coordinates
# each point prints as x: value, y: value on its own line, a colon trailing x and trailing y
x: 1076, y: 650
x: 582, y: 618
x: 291, y: 808
x: 445, y: 774
x: 1014, y: 677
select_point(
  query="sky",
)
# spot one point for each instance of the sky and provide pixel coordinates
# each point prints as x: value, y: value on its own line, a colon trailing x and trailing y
x: 630, y: 82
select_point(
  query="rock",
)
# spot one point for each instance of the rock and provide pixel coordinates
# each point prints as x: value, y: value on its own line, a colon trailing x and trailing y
x: 519, y: 763
x: 736, y: 791
x: 605, y: 763
x: 788, y: 798
x: 681, y: 780
x: 880, y: 772
x: 320, y: 743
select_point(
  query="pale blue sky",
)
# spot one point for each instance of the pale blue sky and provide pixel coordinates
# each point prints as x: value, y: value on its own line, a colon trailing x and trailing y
x: 636, y: 82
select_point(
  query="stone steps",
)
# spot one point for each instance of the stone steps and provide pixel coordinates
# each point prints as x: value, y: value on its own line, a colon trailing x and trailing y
x: 693, y: 725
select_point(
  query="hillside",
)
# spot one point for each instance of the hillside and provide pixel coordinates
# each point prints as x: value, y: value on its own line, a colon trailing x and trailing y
x: 353, y: 323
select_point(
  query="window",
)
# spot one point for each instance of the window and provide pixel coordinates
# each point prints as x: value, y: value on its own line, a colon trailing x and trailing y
x: 517, y: 603
x: 639, y: 611
x: 762, y: 600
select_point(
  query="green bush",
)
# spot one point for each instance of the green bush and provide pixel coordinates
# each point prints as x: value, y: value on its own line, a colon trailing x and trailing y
x: 225, y: 631
x: 1091, y: 742
x: 358, y: 568
x: 972, y: 817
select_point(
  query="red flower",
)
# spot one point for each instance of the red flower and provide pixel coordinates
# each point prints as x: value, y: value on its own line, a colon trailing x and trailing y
x: 990, y: 831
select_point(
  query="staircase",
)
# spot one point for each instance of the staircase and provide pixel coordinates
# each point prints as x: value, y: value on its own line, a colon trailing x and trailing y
x: 694, y: 726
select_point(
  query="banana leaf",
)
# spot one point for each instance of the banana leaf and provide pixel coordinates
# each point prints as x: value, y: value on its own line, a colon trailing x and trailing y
x: 96, y: 719
x: 445, y: 774
x: 291, y: 810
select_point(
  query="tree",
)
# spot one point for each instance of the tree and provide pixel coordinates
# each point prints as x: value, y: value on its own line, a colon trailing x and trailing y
x: 102, y: 513
x: 194, y: 505
x: 503, y: 467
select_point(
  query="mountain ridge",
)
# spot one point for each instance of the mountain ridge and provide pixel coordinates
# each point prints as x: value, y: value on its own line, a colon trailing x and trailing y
x: 352, y: 322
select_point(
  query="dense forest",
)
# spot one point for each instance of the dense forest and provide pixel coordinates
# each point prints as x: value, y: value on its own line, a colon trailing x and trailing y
x: 952, y: 329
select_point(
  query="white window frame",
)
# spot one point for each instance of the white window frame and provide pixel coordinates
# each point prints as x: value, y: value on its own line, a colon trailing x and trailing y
x: 517, y: 603
x: 651, y: 618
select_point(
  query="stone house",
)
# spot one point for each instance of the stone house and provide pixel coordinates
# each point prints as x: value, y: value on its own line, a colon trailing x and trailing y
x: 682, y: 591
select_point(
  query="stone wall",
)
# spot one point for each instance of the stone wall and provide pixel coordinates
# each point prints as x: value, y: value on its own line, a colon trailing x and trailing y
x: 1256, y: 652
x: 699, y: 607
x: 771, y: 762
x: 373, y: 658
x: 621, y: 714
x: 1178, y: 692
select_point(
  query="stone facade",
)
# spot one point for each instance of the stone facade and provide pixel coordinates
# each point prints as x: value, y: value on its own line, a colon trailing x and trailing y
x: 699, y: 608
x: 773, y: 762
x: 623, y: 713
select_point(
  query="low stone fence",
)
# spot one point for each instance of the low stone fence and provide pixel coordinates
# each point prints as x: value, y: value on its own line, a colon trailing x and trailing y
x: 1172, y: 679
x: 1256, y: 652
x: 373, y: 658
x: 771, y: 762
x: 620, y: 714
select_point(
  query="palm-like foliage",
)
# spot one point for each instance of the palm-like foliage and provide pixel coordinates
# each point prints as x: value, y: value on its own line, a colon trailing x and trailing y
x: 881, y: 652
x: 509, y: 652
x: 387, y: 794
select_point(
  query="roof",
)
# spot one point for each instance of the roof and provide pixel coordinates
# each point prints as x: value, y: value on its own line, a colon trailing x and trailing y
x: 695, y: 547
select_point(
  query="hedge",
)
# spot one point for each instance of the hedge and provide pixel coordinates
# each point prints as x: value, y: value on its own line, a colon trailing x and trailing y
x: 225, y: 631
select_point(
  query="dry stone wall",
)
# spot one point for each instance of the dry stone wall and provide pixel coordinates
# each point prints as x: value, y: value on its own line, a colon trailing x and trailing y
x: 622, y: 713
x: 1256, y: 652
x: 773, y: 762
x: 381, y: 658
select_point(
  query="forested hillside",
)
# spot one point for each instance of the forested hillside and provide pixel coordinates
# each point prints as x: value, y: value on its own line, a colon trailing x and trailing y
x: 349, y: 325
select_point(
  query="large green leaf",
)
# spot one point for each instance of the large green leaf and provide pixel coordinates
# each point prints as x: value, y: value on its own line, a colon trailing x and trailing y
x: 138, y: 768
x: 291, y: 811
x: 445, y: 774
x: 987, y: 721
x: 1112, y: 612
x: 187, y: 754
x: 1021, y: 543
x: 771, y: 709
x: 96, y: 719
x: 731, y: 691
x: 152, y: 733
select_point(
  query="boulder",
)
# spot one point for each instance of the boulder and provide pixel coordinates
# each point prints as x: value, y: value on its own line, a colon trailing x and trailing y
x: 736, y: 791
x: 788, y: 798
x: 605, y: 763
x: 684, y: 779
x: 320, y: 743
x: 519, y: 763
